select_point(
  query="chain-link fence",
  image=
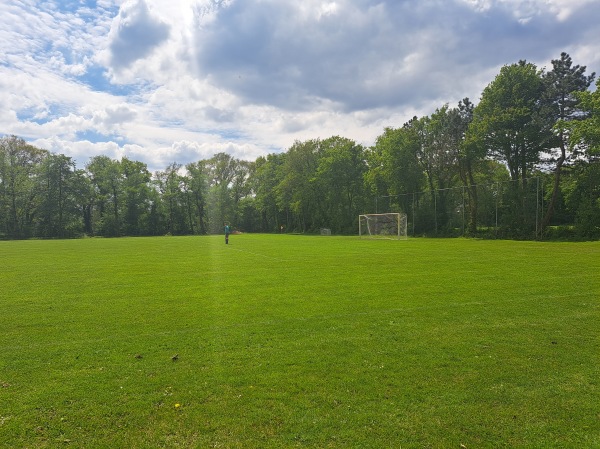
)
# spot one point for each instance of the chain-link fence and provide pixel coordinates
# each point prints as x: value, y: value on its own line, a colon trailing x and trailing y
x: 503, y: 209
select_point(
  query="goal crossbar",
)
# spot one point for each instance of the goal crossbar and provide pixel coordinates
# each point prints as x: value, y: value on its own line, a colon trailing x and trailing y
x: 386, y: 226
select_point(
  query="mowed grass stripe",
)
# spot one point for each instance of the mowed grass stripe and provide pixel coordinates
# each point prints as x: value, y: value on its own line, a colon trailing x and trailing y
x: 296, y: 341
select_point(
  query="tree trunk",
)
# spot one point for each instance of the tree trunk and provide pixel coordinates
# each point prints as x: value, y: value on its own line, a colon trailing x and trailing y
x: 556, y: 187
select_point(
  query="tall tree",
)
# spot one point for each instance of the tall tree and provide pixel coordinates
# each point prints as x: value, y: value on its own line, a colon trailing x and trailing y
x: 264, y: 180
x: 508, y: 123
x: 393, y: 165
x: 221, y: 170
x: 340, y: 180
x: 19, y: 163
x: 84, y: 196
x: 136, y: 195
x: 170, y: 185
x: 297, y: 189
x: 58, y: 215
x: 586, y: 133
x: 106, y: 178
x: 505, y: 122
x: 438, y: 154
x: 240, y: 188
x: 561, y: 106
x: 469, y: 157
x: 198, y: 187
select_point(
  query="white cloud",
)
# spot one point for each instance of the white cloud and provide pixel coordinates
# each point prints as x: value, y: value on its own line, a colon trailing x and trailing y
x: 114, y: 115
x: 523, y: 11
x: 135, y: 33
x: 179, y: 80
x: 80, y: 150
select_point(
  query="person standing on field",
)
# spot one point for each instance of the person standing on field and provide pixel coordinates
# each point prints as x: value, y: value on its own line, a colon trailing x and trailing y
x: 226, y: 234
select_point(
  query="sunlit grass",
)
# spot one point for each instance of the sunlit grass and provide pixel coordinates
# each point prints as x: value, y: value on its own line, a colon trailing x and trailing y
x: 292, y: 341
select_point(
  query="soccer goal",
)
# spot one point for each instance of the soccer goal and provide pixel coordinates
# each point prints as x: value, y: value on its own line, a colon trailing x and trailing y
x: 325, y: 231
x: 386, y: 226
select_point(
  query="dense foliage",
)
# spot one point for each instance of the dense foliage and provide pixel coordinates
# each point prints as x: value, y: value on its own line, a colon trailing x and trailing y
x: 522, y: 163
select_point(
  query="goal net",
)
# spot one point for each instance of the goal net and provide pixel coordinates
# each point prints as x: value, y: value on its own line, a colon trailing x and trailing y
x: 325, y: 231
x: 387, y: 226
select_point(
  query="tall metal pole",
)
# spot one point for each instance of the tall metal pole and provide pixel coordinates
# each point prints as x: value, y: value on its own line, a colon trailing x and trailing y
x: 537, y: 204
x: 413, y: 214
x: 463, y: 211
x: 435, y: 210
x: 497, y: 195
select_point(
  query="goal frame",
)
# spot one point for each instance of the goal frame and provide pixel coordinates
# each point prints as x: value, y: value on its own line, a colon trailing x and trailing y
x: 398, y: 218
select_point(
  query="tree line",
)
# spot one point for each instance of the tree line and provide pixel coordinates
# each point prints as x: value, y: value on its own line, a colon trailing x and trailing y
x: 530, y: 123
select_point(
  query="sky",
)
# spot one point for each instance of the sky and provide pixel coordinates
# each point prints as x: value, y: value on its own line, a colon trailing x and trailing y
x: 163, y: 81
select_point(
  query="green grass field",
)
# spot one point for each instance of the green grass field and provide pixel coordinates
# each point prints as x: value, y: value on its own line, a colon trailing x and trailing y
x: 296, y: 341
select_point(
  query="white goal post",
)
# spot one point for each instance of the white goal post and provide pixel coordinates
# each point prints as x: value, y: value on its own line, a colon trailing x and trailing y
x: 386, y: 226
x: 325, y: 231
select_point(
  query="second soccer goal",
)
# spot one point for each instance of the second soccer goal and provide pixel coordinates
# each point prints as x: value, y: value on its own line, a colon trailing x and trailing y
x: 387, y: 226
